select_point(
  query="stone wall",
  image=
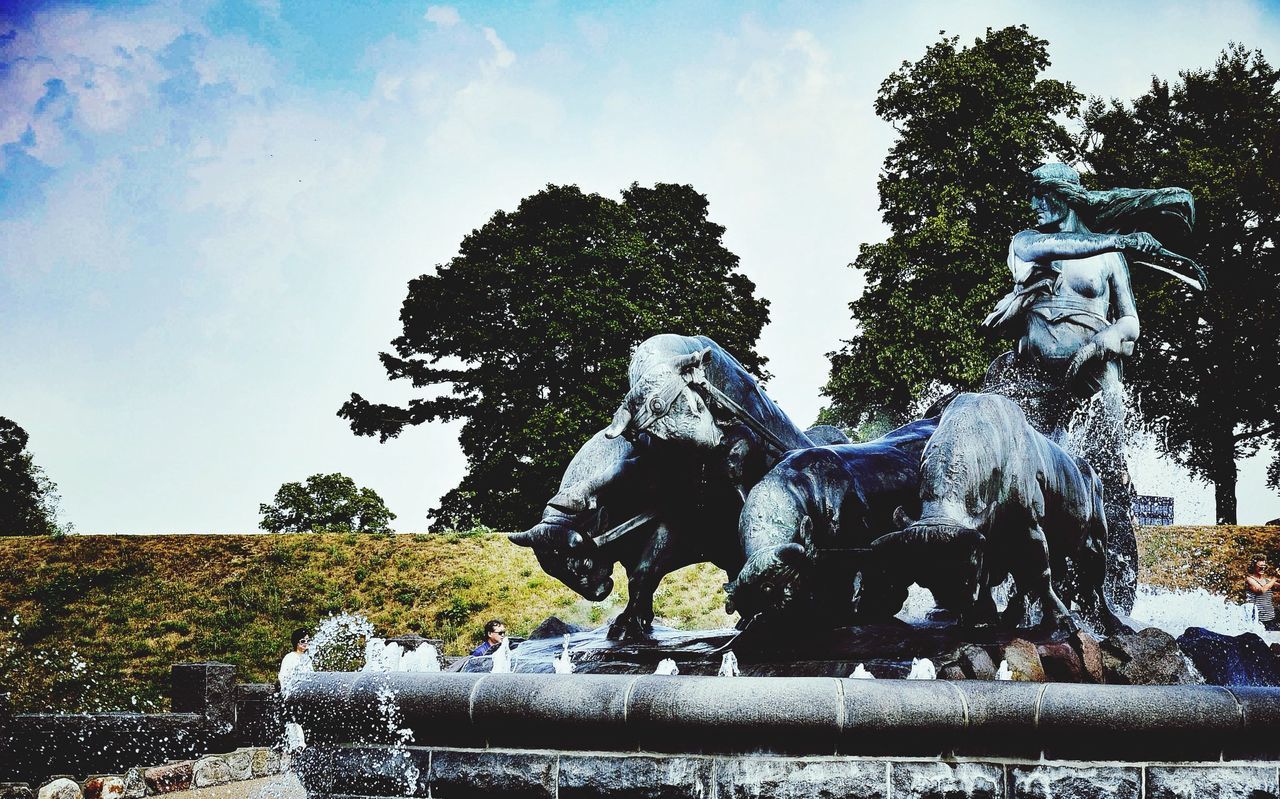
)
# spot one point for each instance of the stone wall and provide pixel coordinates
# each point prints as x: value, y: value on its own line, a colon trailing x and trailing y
x: 348, y: 772
x: 211, y: 714
x: 564, y: 735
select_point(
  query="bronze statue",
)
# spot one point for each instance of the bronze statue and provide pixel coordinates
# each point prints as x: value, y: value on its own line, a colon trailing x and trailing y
x: 1073, y: 313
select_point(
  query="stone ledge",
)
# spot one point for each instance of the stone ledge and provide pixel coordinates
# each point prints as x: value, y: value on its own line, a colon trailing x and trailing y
x: 795, y: 715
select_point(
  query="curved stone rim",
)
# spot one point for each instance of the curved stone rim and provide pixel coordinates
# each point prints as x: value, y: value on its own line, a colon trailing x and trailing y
x: 791, y: 715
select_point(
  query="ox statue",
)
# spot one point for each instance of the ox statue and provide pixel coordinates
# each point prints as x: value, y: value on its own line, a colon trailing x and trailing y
x: 998, y: 498
x: 661, y: 487
x: 804, y: 525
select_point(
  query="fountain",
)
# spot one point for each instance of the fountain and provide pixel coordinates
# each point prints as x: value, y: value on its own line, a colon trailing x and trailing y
x: 892, y: 643
x: 1009, y: 506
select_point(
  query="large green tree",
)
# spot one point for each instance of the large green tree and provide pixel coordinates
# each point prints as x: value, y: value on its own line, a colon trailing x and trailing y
x: 28, y: 498
x: 971, y: 123
x: 1207, y: 370
x: 326, y: 503
x: 531, y: 326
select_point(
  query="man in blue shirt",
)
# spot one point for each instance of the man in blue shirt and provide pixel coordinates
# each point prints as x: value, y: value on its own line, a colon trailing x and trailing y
x: 494, y: 632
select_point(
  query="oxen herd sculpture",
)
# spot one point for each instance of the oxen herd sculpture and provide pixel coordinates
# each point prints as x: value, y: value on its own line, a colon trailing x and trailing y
x: 700, y: 465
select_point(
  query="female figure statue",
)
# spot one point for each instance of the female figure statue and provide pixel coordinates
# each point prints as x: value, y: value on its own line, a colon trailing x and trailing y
x: 1074, y: 316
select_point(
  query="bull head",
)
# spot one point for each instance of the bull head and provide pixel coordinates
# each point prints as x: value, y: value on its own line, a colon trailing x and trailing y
x: 657, y: 393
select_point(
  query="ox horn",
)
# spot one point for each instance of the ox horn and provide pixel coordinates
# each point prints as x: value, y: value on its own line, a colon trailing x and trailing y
x: 621, y: 419
x: 901, y: 518
x: 524, y: 539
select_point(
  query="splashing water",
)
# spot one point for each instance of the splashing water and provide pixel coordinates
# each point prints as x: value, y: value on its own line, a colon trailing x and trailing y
x: 860, y: 673
x: 1175, y: 611
x: 666, y: 666
x: 1004, y: 672
x: 339, y: 642
x: 502, y: 658
x: 922, y: 669
x: 563, y: 664
x: 380, y: 655
x: 729, y: 665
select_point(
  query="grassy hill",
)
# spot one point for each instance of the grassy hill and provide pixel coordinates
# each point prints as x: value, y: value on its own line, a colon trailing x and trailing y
x: 93, y: 622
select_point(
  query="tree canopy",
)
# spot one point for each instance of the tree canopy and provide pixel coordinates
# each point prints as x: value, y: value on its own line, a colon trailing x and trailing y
x: 28, y: 498
x: 326, y: 503
x: 1207, y: 371
x: 527, y: 333
x: 972, y: 122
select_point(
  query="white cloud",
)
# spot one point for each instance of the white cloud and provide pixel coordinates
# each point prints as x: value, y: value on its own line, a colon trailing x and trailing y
x: 502, y: 55
x: 442, y: 16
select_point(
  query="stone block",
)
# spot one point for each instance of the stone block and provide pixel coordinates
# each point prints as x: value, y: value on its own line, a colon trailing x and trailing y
x: 363, y: 770
x: 104, y: 787
x: 1060, y: 662
x: 900, y: 717
x: 135, y: 786
x: 1023, y: 660
x: 1211, y: 782
x: 240, y: 763
x: 211, y: 770
x: 1060, y: 781
x: 573, y: 711
x: 1090, y: 655
x: 975, y: 662
x: 634, y: 776
x: 1231, y: 660
x: 16, y: 790
x: 795, y: 778
x: 512, y: 775
x: 208, y: 689
x: 1001, y: 718
x: 1260, y: 711
x: 935, y: 780
x: 60, y: 788
x: 1119, y: 722
x: 170, y: 777
x: 1151, y: 657
x: 695, y: 714
x: 436, y: 706
x: 952, y: 672
x: 265, y: 762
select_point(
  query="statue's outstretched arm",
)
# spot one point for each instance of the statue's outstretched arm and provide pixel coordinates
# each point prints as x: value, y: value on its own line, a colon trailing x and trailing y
x: 1033, y: 246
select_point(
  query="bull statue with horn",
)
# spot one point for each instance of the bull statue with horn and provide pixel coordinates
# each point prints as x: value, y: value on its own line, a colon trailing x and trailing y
x: 662, y: 486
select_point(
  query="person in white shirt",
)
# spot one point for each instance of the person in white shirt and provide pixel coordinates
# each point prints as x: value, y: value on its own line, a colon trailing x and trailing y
x: 292, y: 667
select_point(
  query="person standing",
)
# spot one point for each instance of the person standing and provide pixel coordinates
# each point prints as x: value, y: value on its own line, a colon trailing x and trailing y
x: 1259, y: 586
x: 292, y: 667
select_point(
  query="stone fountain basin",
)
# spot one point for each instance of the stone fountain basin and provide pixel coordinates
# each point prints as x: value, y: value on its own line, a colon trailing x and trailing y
x: 792, y: 715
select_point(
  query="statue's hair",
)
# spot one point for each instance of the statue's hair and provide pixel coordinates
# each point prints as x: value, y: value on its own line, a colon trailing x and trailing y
x: 1118, y: 210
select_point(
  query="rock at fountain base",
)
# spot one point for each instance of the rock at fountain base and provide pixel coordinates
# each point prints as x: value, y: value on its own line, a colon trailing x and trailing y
x: 1150, y: 657
x: 1231, y: 660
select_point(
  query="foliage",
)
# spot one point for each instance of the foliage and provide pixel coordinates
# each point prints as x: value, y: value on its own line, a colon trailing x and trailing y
x: 1213, y: 132
x: 130, y: 606
x: 328, y: 503
x: 532, y: 324
x: 28, y: 498
x: 971, y: 122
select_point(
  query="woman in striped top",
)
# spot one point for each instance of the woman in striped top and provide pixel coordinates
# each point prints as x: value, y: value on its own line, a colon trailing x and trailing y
x: 1259, y: 589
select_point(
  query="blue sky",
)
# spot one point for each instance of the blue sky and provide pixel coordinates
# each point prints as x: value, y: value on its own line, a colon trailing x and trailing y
x: 209, y: 211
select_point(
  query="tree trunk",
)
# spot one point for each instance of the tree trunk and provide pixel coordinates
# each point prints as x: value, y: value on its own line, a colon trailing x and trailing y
x: 1224, y: 486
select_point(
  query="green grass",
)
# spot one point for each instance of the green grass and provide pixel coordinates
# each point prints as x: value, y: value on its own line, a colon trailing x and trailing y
x: 101, y: 618
x: 130, y: 606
